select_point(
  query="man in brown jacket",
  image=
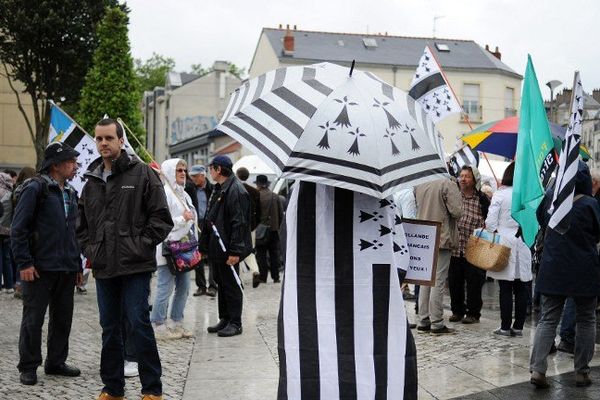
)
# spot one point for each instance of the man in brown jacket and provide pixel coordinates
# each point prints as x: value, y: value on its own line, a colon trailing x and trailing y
x: 438, y: 201
x: 267, y: 232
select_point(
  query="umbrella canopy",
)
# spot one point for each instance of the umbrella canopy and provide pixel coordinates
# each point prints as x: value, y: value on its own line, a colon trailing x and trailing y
x: 500, y: 137
x: 322, y: 124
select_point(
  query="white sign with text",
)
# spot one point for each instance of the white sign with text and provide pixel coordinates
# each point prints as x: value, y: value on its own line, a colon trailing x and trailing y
x: 423, y: 239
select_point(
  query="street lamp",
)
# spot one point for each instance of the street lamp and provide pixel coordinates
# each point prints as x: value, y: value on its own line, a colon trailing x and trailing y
x: 552, y: 85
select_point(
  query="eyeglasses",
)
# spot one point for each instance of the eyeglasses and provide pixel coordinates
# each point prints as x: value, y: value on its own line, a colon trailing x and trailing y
x: 181, y: 170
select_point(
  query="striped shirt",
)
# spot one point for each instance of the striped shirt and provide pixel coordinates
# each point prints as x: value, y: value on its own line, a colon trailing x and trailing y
x: 470, y: 220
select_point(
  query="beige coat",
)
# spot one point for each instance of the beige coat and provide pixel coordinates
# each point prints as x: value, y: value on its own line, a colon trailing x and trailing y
x: 440, y: 201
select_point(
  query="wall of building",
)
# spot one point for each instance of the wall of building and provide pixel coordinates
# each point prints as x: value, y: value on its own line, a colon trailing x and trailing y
x: 16, y: 147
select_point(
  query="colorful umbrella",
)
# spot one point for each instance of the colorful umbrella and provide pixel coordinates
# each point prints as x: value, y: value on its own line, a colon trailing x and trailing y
x: 500, y: 137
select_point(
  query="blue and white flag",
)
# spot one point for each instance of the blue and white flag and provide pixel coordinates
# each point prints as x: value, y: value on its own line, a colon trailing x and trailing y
x: 564, y: 190
x: 64, y: 129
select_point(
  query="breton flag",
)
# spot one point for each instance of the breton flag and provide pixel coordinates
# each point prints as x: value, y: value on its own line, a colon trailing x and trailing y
x: 64, y: 129
x: 431, y: 89
x: 342, y: 327
x: 462, y: 157
x: 564, y: 189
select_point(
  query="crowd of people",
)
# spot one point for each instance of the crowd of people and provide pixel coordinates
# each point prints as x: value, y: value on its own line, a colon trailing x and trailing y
x: 122, y: 227
x: 566, y: 267
x: 124, y: 223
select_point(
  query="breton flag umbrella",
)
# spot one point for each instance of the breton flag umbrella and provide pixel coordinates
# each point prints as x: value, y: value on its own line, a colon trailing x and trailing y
x: 329, y: 124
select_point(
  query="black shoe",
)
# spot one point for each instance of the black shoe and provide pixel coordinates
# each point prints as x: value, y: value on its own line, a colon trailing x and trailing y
x: 200, y: 292
x: 216, y: 328
x: 276, y: 280
x: 255, y: 279
x: 62, y: 370
x: 28, y: 378
x: 412, y: 326
x: 443, y: 331
x: 230, y: 330
x: 470, y: 320
x: 455, y: 318
x: 424, y: 328
x: 211, y: 292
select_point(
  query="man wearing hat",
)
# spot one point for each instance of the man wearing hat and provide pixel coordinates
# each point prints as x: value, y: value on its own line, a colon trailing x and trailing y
x: 46, y: 252
x: 267, y: 232
x: 200, y: 191
x: 226, y: 237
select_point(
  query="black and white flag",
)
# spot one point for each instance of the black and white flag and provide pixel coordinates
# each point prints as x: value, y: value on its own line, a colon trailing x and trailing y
x: 430, y: 88
x: 342, y: 324
x: 564, y: 190
x: 462, y: 157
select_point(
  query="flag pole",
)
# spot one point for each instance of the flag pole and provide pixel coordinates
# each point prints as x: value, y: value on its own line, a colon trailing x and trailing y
x: 185, y: 206
x: 465, y: 116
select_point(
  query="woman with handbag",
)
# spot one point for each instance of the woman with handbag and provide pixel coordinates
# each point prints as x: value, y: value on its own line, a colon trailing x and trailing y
x: 514, y: 278
x: 173, y: 174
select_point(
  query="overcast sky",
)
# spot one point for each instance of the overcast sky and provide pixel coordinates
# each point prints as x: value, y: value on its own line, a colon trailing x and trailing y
x: 560, y: 35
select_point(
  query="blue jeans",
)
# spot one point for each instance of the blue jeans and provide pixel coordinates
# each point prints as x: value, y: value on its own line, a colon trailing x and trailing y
x: 164, y: 287
x: 6, y: 268
x: 567, y: 323
x: 127, y: 297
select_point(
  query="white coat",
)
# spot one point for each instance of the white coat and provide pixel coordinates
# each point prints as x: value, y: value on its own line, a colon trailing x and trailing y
x: 499, y: 218
x: 175, y: 196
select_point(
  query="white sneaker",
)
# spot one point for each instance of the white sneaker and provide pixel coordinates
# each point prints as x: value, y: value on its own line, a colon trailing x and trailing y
x: 180, y: 329
x: 131, y: 369
x: 162, y: 332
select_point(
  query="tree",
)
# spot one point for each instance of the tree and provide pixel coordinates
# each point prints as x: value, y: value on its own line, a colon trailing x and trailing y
x: 198, y: 69
x: 152, y: 72
x: 111, y: 86
x: 47, y: 46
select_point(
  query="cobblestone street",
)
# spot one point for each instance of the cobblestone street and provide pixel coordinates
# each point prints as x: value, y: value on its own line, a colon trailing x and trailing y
x: 473, y: 363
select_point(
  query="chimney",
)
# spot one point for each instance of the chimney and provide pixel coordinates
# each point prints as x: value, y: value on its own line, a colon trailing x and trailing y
x: 280, y: 26
x: 496, y: 53
x: 596, y: 95
x: 288, y: 42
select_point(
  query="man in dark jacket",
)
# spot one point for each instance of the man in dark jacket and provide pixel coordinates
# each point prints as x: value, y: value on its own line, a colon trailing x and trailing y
x: 271, y: 213
x: 569, y: 268
x: 243, y: 174
x: 47, y: 255
x: 200, y: 190
x: 123, y: 217
x: 226, y: 238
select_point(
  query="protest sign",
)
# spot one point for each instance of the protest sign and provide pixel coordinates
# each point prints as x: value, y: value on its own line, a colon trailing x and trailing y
x: 423, y: 239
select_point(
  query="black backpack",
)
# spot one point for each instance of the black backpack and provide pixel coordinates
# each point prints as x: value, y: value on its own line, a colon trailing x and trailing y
x: 41, y: 195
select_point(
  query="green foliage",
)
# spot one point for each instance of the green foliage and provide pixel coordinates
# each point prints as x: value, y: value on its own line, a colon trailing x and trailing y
x: 111, y: 86
x: 48, y: 45
x: 152, y: 72
x: 233, y: 69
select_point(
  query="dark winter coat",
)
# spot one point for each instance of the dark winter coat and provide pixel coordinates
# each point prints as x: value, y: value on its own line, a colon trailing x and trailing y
x: 255, y: 207
x: 570, y: 264
x: 41, y: 235
x: 123, y: 219
x: 229, y: 212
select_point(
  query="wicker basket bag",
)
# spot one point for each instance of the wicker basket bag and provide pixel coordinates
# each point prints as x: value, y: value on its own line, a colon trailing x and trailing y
x: 485, y: 254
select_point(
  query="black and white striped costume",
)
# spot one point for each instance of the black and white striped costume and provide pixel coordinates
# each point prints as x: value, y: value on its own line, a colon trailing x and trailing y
x: 343, y: 330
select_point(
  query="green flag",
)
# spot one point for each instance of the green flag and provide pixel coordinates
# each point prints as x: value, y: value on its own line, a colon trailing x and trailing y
x: 535, y: 158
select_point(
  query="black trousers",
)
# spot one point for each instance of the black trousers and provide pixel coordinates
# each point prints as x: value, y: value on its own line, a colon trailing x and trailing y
x: 272, y: 262
x: 230, y: 295
x: 201, y: 276
x: 507, y: 289
x: 462, y: 272
x: 53, y: 290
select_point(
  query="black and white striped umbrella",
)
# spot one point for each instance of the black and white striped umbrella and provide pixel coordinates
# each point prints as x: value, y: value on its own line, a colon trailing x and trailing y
x: 327, y: 124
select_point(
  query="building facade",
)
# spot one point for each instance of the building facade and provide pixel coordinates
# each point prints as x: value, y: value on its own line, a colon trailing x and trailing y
x: 16, y: 147
x: 486, y: 87
x: 181, y: 116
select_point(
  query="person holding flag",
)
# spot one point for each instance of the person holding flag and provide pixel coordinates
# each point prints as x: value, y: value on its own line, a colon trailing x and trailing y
x: 570, y: 267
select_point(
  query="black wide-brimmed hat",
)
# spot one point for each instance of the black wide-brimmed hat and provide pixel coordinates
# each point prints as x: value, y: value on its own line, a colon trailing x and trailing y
x: 57, y: 152
x: 262, y: 180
